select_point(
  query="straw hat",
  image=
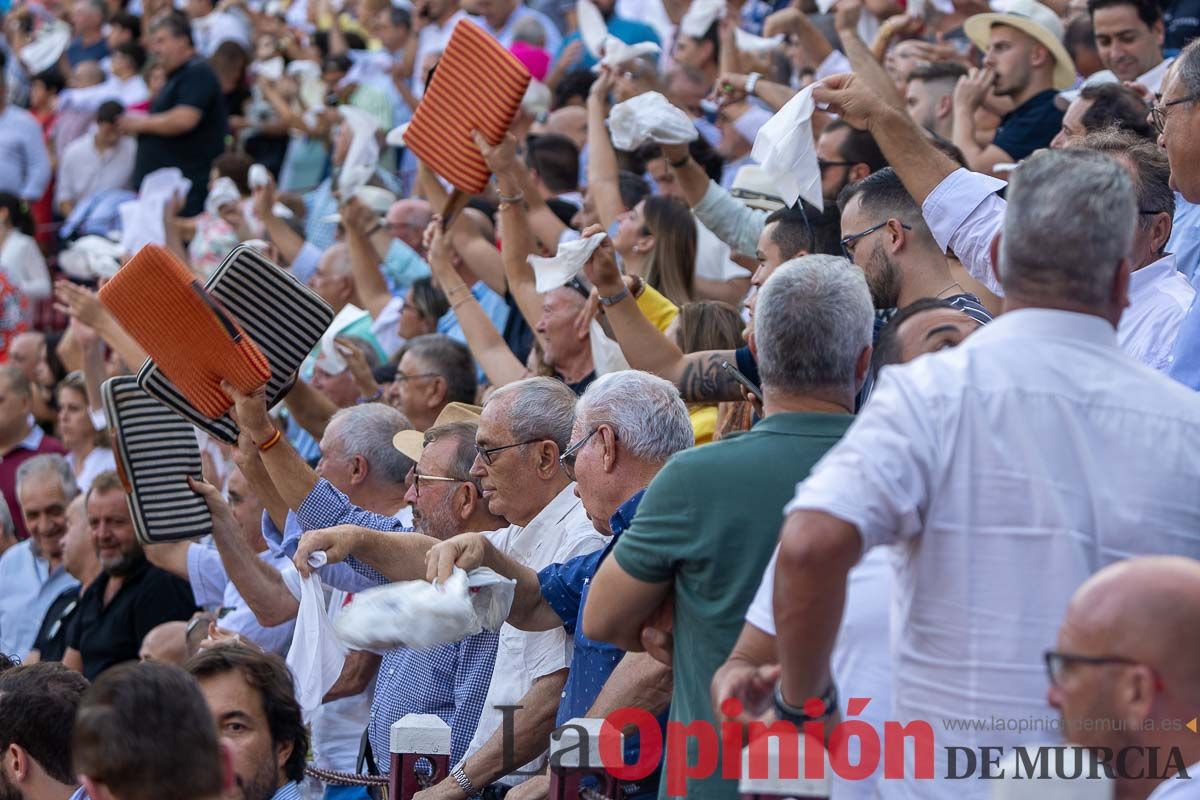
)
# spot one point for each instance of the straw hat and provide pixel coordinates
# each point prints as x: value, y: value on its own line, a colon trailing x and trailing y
x: 411, y: 443
x: 1033, y: 19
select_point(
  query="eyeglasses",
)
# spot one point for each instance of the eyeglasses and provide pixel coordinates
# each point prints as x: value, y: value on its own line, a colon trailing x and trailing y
x: 486, y: 453
x: 567, y: 459
x: 418, y: 477
x: 823, y: 165
x: 1057, y: 663
x: 401, y: 377
x: 1158, y: 113
x: 848, y: 243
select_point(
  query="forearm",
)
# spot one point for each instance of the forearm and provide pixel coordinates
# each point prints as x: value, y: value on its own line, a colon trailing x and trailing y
x: 396, y: 556
x: 175, y: 122
x: 920, y: 165
x: 528, y: 735
x: 282, y: 236
x: 264, y: 489
x: 638, y: 681
x: 602, y: 171
x: 518, y: 245
x: 311, y: 409
x: 499, y: 363
x: 963, y: 136
x: 480, y: 255
x: 293, y: 478
x: 776, y: 95
x: 260, y: 584
x: 868, y: 68
x: 364, y: 267
x: 119, y: 340
x: 357, y: 671
x: 530, y: 611
x: 170, y: 556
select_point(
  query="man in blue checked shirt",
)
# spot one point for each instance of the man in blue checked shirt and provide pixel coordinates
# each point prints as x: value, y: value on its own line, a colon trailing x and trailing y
x: 627, y: 425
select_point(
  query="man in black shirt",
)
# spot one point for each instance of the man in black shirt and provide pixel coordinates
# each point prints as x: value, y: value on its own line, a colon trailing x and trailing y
x: 129, y: 598
x: 1025, y: 60
x: 187, y: 124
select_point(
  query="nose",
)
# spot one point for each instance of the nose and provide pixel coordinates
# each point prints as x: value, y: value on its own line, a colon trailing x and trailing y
x: 410, y: 496
x: 1054, y: 697
x: 478, y: 469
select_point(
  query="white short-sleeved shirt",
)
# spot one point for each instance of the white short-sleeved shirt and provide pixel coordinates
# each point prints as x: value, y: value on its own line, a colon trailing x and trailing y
x: 1007, y: 471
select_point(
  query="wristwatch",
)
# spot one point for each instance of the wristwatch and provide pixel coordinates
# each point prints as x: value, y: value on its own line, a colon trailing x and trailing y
x: 464, y: 783
x: 797, y: 716
x: 751, y: 82
x: 616, y: 298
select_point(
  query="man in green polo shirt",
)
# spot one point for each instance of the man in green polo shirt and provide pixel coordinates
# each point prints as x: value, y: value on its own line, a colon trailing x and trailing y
x: 710, y: 520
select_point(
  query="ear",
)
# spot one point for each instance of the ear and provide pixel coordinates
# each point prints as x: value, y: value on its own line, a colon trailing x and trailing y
x: 1120, y: 290
x: 899, y: 236
x: 752, y: 344
x: 858, y: 172
x: 359, y: 470
x: 861, y: 367
x: 609, y: 438
x: 1160, y: 231
x: 1160, y: 32
x: 945, y: 106
x: 1139, y: 688
x: 282, y: 753
x: 437, y: 392
x: 547, y: 459
x: 465, y: 500
x: 96, y: 791
x: 19, y: 760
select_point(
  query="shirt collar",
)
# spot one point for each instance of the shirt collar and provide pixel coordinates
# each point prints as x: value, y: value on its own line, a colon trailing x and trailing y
x: 1046, y: 323
x: 1144, y: 278
x: 1153, y: 78
x: 557, y: 509
x: 804, y: 423
x: 33, y: 441
x: 621, y: 520
x: 289, y: 791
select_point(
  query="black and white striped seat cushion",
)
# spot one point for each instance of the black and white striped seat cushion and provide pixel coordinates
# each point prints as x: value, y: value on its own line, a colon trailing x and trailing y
x: 156, y: 451
x: 282, y: 316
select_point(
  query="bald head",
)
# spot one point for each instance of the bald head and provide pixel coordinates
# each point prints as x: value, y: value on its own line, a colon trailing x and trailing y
x: 407, y: 219
x: 166, y: 644
x: 568, y: 121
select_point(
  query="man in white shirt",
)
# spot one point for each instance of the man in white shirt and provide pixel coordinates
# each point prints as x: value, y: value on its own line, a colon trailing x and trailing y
x: 500, y: 18
x: 1123, y: 672
x: 90, y: 164
x: 1006, y: 470
x: 1129, y: 38
x: 211, y: 27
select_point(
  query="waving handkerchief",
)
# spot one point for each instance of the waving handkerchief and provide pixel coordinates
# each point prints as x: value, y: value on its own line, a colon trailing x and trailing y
x: 617, y: 52
x: 700, y: 16
x: 649, y: 117
x: 749, y: 43
x: 557, y: 271
x: 363, y: 156
x: 785, y: 149
x: 271, y: 69
x: 592, y: 28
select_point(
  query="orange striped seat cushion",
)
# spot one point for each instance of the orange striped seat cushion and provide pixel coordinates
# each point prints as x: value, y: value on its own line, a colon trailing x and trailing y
x: 478, y: 85
x: 187, y: 333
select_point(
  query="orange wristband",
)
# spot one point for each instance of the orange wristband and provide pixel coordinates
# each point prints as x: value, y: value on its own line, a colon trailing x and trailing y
x: 274, y: 440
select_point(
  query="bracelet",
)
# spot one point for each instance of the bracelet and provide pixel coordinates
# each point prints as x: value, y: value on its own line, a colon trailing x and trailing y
x: 616, y: 298
x: 508, y: 201
x: 464, y: 782
x: 461, y: 302
x: 274, y: 440
x: 751, y: 82
x: 378, y: 394
x: 681, y: 162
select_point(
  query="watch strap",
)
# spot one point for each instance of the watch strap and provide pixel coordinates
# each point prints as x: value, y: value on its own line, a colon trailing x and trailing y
x: 616, y: 298
x: 464, y: 783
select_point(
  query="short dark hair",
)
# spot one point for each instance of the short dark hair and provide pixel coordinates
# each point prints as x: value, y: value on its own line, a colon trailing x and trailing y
x: 109, y: 111
x: 145, y: 731
x: 793, y: 234
x: 576, y: 83
x: 1148, y: 11
x: 52, y: 79
x: 555, y: 158
x: 451, y: 360
x: 827, y: 231
x: 859, y: 147
x: 1115, y: 105
x: 633, y: 188
x: 134, y: 52
x: 38, y: 703
x: 267, y: 674
x: 428, y: 299
x: 887, y: 344
x: 130, y: 22
x: 938, y: 71
x: 1078, y: 35
x: 236, y: 167
x: 1152, y: 170
x: 176, y: 24
x: 882, y: 194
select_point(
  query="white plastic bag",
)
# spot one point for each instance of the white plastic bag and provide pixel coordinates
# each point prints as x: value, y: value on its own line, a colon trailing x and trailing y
x: 649, y: 117
x: 317, y: 654
x: 421, y: 615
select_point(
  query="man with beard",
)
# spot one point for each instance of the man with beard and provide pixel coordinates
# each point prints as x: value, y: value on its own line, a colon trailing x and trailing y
x: 37, y: 710
x: 253, y: 703
x: 1026, y: 61
x: 884, y: 233
x: 130, y: 597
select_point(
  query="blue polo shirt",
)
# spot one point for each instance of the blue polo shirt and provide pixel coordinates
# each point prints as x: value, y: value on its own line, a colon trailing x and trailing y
x: 627, y: 30
x: 565, y: 587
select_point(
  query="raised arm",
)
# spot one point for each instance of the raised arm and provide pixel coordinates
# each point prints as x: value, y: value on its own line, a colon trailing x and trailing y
x: 359, y: 222
x: 603, y: 175
x: 82, y: 304
x: 311, y: 409
x: 396, y: 556
x: 866, y: 66
x: 291, y: 474
x: 278, y: 231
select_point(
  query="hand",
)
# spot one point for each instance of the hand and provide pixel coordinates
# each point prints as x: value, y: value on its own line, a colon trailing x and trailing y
x: 1143, y: 91
x: 603, y: 84
x: 501, y: 158
x: 536, y: 788
x: 583, y: 320
x: 130, y: 124
x: 231, y: 213
x: 849, y: 96
x: 465, y: 551
x: 264, y: 199
x: 571, y: 54
x: 753, y: 686
x: 846, y: 15
x: 445, y: 790
x: 250, y: 412
x: 658, y: 633
x: 80, y: 303
x: 751, y: 398
x: 729, y: 88
x: 601, y: 269
x: 84, y: 335
x: 246, y: 456
x: 358, y: 217
x: 356, y: 362
x: 785, y: 21
x: 401, y: 70
x: 224, y: 524
x: 972, y: 89
x: 337, y: 543
x: 440, y: 255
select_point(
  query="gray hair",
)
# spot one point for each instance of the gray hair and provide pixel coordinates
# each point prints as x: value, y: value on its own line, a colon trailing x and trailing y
x: 1187, y: 68
x: 538, y: 408
x: 813, y: 320
x: 367, y: 430
x: 7, y: 528
x: 463, y: 436
x: 649, y: 416
x: 50, y: 464
x: 1069, y: 223
x: 451, y: 360
x: 1151, y: 169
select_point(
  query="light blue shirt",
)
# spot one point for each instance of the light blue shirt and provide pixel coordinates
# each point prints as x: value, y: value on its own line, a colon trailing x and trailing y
x: 401, y: 266
x: 493, y: 305
x: 24, y: 162
x: 1185, y: 366
x: 289, y: 791
x: 29, y: 588
x: 1185, y: 237
x: 213, y: 590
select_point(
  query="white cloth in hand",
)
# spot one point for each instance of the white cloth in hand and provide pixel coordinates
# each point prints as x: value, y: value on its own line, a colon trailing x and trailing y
x: 317, y: 654
x: 617, y: 52
x: 700, y: 16
x: 592, y: 28
x: 786, y: 151
x: 556, y: 271
x: 749, y: 43
x: 649, y: 117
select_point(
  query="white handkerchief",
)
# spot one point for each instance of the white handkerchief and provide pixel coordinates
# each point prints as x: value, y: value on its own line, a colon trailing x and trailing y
x: 617, y: 52
x: 363, y: 155
x: 824, y: 5
x: 329, y: 359
x: 258, y: 177
x: 700, y: 16
x: 556, y: 271
x: 142, y: 219
x: 271, y: 69
x: 606, y: 354
x: 317, y: 655
x: 91, y: 257
x: 649, y: 117
x: 785, y: 149
x: 223, y: 192
x: 749, y: 43
x: 47, y: 47
x: 592, y: 28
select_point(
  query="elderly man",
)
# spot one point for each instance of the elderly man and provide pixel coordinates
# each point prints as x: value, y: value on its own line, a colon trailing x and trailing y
x: 1123, y: 672
x: 38, y: 704
x: 79, y: 559
x: 130, y: 597
x: 627, y: 424
x: 32, y: 572
x: 28, y: 352
x: 1129, y: 37
x: 524, y: 429
x: 362, y: 479
x: 1024, y: 61
x: 167, y: 643
x: 1053, y: 365
x: 434, y: 371
x: 812, y: 336
x: 20, y: 438
x: 1175, y: 119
